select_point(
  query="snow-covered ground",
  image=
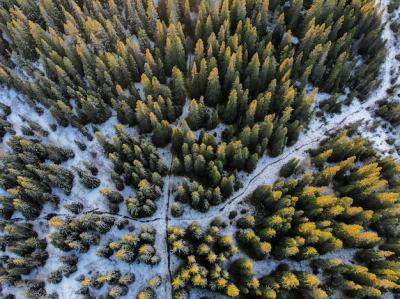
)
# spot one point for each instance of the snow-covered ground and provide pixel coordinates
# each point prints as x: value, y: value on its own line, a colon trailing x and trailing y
x: 266, y: 172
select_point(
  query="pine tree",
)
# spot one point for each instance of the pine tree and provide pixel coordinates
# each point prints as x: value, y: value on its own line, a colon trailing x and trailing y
x: 252, y: 73
x: 278, y: 141
x: 62, y: 113
x: 161, y: 133
x: 199, y: 51
x: 213, y: 90
x: 178, y: 86
x: 227, y: 186
x: 177, y: 140
x: 176, y: 209
x: 291, y: 167
x: 238, y: 11
x: 215, y: 176
x: 230, y: 112
x: 152, y: 17
x: 174, y: 51
x: 199, y: 79
x: 94, y: 109
x: 19, y: 31
x: 142, y: 116
x: 195, y: 117
x: 293, y: 14
x: 250, y: 113
x: 251, y: 162
x: 322, y: 157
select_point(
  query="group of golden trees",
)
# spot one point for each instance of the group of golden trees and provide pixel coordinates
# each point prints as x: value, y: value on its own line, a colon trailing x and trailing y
x: 343, y: 198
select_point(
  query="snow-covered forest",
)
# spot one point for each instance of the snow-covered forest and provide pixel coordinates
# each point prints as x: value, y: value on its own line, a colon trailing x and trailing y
x: 199, y: 149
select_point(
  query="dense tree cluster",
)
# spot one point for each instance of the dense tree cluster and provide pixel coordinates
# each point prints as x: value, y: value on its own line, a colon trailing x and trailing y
x: 344, y: 197
x: 79, y: 233
x: 137, y: 164
x: 149, y: 291
x: 29, y: 171
x: 133, y: 247
x: 69, y: 266
x: 229, y: 48
x: 33, y: 128
x: 25, y: 251
x: 87, y: 179
x: 206, y: 254
x: 282, y: 282
x: 374, y: 274
x: 205, y: 161
x: 333, y: 201
x: 118, y: 283
x: 243, y: 63
x: 33, y: 289
x: 203, y: 253
x: 5, y: 125
x: 389, y: 110
x: 348, y: 199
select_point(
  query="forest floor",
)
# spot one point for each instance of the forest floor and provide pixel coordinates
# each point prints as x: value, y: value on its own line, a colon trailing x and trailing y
x: 267, y: 171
